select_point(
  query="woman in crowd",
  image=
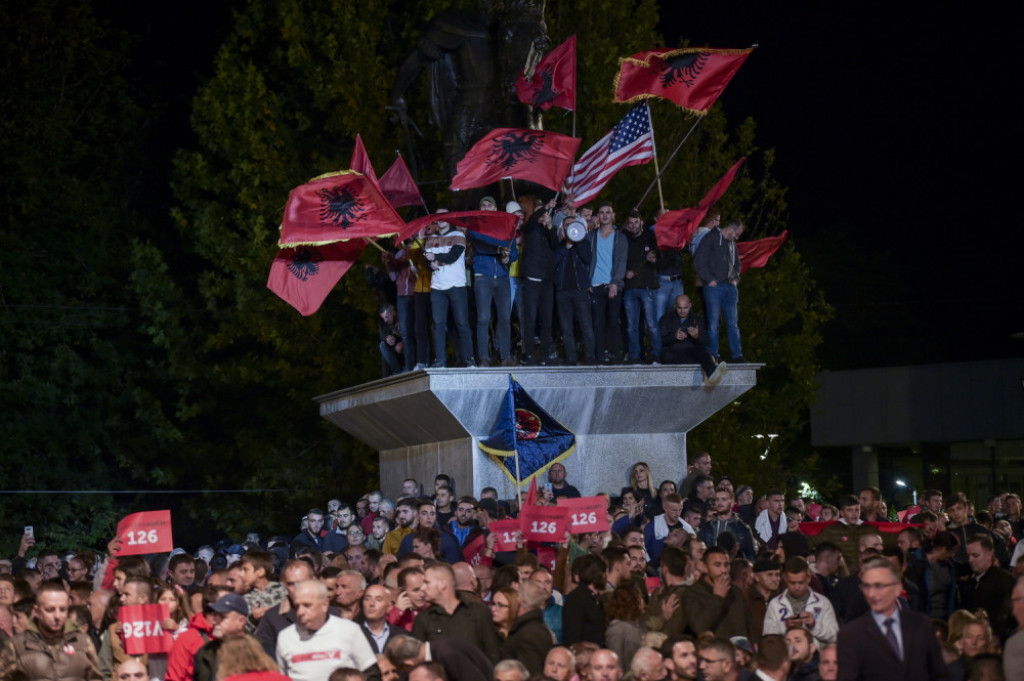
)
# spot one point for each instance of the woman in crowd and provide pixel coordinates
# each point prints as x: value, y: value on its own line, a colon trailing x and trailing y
x: 241, y: 658
x: 504, y: 608
x: 625, y: 632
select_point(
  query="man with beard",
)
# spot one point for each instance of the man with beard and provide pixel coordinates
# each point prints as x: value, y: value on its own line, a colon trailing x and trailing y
x: 642, y: 257
x: 803, y: 655
x: 319, y: 642
x: 47, y: 652
x: 713, y: 603
x: 726, y: 521
x: 310, y: 537
x: 680, y: 655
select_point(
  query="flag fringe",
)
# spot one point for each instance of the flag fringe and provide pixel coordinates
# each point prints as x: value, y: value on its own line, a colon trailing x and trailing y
x: 295, y: 244
x: 646, y: 61
x: 496, y: 455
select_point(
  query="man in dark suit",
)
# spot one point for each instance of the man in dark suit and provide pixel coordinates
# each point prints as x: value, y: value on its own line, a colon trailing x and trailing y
x: 888, y: 642
x: 461, y: 661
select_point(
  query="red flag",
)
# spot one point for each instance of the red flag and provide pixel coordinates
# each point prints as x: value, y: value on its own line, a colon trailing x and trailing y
x: 531, y: 492
x: 398, y: 186
x: 756, y: 253
x: 554, y: 79
x: 674, y: 229
x: 303, y: 276
x: 336, y: 207
x: 692, y: 77
x: 361, y: 162
x: 629, y: 143
x: 493, y: 223
x: 536, y: 155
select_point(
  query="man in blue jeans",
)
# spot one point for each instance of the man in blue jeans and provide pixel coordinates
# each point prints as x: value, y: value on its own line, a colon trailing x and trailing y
x: 717, y: 262
x: 642, y: 261
x: 445, y: 252
x: 491, y: 260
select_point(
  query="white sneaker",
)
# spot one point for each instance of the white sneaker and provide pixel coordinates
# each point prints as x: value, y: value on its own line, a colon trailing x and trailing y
x: 716, y: 377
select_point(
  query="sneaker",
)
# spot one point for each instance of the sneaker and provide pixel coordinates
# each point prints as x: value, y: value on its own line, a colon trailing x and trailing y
x: 484, y: 363
x: 419, y: 367
x: 655, y: 363
x: 739, y: 359
x: 438, y: 365
x: 526, y: 360
x: 470, y: 363
x: 716, y: 377
x: 508, y: 362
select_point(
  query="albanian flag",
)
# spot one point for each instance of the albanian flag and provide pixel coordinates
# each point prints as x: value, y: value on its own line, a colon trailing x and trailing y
x: 525, y: 431
x: 304, y: 275
x: 398, y: 186
x: 493, y: 223
x: 519, y: 153
x: 692, y: 77
x: 361, y: 162
x: 554, y: 79
x: 674, y: 229
x: 336, y: 207
x: 756, y: 253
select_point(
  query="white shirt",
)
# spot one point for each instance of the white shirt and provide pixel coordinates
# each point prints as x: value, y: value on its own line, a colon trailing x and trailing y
x: 313, y: 655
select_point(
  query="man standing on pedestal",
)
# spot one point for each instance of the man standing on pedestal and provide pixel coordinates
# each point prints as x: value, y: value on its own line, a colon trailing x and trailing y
x: 717, y: 262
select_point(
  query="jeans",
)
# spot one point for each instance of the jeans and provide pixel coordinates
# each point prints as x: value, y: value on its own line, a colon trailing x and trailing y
x: 607, y: 334
x: 723, y: 299
x: 406, y: 320
x: 456, y: 298
x: 391, y: 358
x: 498, y: 290
x: 422, y: 316
x: 538, y: 303
x: 665, y: 296
x: 576, y: 304
x: 635, y: 298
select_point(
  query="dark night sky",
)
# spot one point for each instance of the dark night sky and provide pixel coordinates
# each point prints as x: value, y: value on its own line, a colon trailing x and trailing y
x: 895, y: 129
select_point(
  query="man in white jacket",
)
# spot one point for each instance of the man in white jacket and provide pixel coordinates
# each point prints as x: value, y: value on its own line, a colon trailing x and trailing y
x: 799, y: 606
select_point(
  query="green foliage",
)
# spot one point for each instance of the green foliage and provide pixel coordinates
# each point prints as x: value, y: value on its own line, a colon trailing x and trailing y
x: 758, y: 438
x: 72, y: 169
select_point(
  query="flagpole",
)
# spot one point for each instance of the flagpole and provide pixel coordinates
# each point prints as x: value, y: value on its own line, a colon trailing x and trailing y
x: 670, y: 158
x: 654, y: 153
x: 374, y: 243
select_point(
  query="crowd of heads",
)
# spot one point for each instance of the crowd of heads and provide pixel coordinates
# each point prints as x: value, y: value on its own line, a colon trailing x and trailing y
x: 632, y: 600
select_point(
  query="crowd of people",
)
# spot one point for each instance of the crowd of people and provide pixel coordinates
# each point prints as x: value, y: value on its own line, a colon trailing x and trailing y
x: 697, y: 580
x: 579, y: 263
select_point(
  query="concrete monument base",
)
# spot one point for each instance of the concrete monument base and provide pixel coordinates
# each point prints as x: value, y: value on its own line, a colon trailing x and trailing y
x: 430, y: 421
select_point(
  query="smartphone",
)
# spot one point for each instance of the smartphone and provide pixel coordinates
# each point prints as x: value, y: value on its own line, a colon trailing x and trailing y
x: 30, y: 532
x: 547, y: 487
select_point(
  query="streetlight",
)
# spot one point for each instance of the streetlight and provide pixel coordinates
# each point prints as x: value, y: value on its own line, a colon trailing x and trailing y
x: 904, y: 485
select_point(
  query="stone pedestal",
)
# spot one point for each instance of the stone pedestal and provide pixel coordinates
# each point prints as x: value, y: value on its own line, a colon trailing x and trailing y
x: 430, y: 421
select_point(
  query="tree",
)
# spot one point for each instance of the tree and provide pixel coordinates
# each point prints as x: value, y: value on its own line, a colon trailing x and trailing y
x: 72, y: 167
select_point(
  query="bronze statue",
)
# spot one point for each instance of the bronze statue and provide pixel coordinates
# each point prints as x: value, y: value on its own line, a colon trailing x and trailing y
x: 474, y: 59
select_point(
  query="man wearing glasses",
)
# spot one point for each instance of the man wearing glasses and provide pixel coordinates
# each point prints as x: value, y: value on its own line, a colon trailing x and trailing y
x: 716, y: 658
x: 889, y: 642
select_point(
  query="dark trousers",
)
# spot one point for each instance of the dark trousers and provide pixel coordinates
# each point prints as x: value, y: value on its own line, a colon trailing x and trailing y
x: 456, y: 298
x: 576, y: 304
x: 538, y: 305
x: 607, y: 327
x: 406, y: 320
x: 688, y: 352
x: 422, y: 315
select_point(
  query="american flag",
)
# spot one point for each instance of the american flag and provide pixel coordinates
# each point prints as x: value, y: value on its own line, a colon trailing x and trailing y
x: 629, y: 143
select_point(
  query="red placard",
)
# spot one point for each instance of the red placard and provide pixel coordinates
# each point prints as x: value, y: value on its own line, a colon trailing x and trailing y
x: 652, y: 584
x: 142, y: 630
x: 505, y: 533
x: 547, y: 556
x: 586, y: 514
x: 146, y: 532
x: 473, y: 552
x: 544, y: 523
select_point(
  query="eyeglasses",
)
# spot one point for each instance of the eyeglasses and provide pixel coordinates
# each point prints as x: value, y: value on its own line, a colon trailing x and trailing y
x: 876, y: 587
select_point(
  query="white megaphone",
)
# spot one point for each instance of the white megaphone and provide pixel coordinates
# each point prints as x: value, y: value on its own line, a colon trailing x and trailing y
x: 576, y: 230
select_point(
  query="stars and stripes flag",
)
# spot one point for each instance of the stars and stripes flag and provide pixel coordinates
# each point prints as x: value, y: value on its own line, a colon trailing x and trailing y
x: 630, y: 143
